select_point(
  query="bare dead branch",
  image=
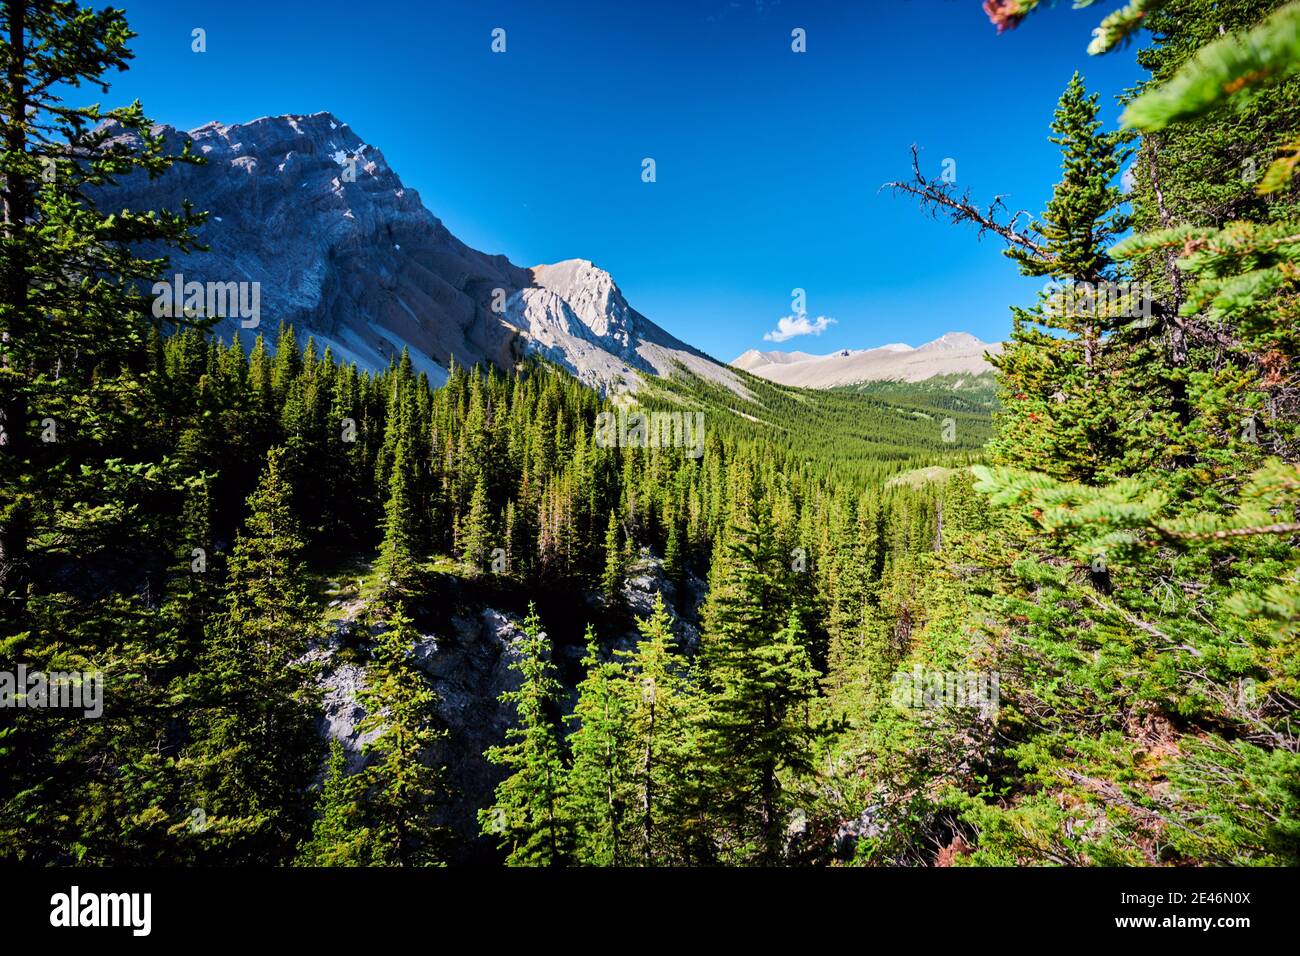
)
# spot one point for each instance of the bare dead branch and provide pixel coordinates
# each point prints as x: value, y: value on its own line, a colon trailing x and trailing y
x: 938, y: 196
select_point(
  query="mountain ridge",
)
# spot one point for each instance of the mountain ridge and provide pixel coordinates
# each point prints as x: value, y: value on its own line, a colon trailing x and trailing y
x: 953, y: 353
x: 367, y: 269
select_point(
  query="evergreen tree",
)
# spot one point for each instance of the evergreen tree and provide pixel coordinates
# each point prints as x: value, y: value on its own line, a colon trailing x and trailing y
x: 1059, y: 410
x: 475, y: 533
x: 398, y: 563
x: 336, y: 839
x: 611, y: 581
x: 256, y: 746
x: 668, y: 798
x: 528, y: 815
x: 400, y: 788
x: 78, y: 483
x: 598, y: 795
x: 758, y: 726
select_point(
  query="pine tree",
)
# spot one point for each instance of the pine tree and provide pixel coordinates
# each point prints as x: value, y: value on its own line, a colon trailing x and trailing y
x: 611, y: 581
x: 257, y: 745
x: 598, y: 795
x: 1060, y: 413
x: 398, y: 563
x: 475, y: 530
x: 77, y: 364
x: 528, y: 815
x: 1070, y: 573
x: 674, y: 566
x: 1082, y: 217
x: 400, y: 788
x: 758, y: 727
x: 336, y: 839
x: 667, y: 799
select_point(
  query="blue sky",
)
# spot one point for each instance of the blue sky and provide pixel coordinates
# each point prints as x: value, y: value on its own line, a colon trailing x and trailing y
x: 768, y: 162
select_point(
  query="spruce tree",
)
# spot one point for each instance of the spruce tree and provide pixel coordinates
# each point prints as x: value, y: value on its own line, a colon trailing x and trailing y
x: 598, y: 795
x: 256, y: 744
x: 400, y: 787
x: 475, y: 530
x: 528, y: 816
x: 611, y: 581
x: 77, y: 355
x: 398, y: 560
x: 758, y: 728
x: 667, y: 798
x: 336, y: 838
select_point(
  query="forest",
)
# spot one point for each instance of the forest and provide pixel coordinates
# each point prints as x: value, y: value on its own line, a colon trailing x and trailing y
x: 1044, y: 619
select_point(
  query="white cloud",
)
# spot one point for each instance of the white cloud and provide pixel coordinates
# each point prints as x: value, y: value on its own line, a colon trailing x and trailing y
x: 793, y: 325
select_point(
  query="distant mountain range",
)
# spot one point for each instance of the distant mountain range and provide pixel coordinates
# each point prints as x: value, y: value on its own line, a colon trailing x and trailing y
x: 346, y: 253
x: 955, y: 353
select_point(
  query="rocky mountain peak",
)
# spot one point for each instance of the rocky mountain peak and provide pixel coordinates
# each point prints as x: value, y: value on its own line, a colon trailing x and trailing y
x: 345, y: 252
x: 951, y: 341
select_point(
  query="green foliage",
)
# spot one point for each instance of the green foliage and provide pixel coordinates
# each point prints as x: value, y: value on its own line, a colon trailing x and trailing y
x: 1135, y: 583
x: 1123, y: 562
x: 1224, y: 72
x: 529, y: 818
x: 399, y: 788
x: 256, y: 746
x: 74, y: 333
x: 599, y: 793
x: 758, y: 728
x: 1082, y: 217
x: 1117, y: 27
x: 335, y: 838
x: 611, y: 581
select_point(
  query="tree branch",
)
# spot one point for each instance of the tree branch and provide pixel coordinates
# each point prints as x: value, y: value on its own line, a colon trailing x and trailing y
x: 936, y: 196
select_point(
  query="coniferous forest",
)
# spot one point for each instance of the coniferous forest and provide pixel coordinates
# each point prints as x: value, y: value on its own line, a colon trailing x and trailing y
x: 1043, y: 617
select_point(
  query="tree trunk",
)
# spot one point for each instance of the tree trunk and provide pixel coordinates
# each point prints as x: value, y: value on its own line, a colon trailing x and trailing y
x: 17, y: 210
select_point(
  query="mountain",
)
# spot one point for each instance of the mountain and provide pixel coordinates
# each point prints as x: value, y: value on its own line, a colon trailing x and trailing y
x: 755, y: 359
x: 344, y: 252
x: 951, y: 354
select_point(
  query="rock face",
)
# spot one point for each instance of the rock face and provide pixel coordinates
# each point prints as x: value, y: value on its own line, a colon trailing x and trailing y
x: 469, y: 669
x: 951, y: 354
x: 468, y: 659
x: 344, y: 252
x: 645, y: 582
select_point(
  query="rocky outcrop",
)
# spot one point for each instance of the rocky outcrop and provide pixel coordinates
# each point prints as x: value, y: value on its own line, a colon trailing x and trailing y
x: 468, y: 663
x: 470, y: 670
x: 645, y: 582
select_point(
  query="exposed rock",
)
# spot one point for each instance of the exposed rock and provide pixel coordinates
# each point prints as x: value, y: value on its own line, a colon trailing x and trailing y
x: 345, y: 252
x: 866, y: 825
x: 646, y: 580
x: 470, y: 671
x: 341, y: 681
x: 468, y: 663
